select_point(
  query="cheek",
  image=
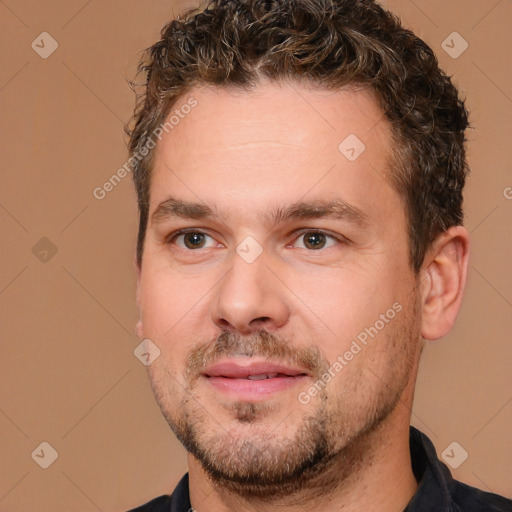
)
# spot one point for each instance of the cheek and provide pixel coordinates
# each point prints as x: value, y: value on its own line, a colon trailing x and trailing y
x: 168, y: 299
x: 341, y: 304
x: 174, y: 314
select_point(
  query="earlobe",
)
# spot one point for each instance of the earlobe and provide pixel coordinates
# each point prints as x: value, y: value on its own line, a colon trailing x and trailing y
x: 445, y: 273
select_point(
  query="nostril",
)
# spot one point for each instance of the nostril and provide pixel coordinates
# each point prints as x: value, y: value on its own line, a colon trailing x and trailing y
x: 261, y: 319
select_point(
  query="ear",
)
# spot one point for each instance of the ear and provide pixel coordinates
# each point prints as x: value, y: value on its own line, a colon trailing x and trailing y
x: 444, y: 277
x: 138, y: 325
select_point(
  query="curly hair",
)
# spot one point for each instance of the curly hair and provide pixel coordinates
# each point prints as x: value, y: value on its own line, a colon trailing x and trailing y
x: 332, y: 43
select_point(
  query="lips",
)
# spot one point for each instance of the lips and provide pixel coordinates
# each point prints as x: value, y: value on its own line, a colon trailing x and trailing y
x: 252, y: 371
x: 251, y: 380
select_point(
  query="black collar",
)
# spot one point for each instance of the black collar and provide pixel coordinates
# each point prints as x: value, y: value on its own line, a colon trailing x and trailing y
x: 437, y: 490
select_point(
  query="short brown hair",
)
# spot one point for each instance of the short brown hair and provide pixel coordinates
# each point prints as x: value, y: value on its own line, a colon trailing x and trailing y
x: 332, y: 43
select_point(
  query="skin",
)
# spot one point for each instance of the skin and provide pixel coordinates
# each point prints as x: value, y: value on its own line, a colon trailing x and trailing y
x: 245, y: 154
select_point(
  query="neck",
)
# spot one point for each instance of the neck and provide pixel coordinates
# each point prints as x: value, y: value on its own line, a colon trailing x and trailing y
x: 373, y: 473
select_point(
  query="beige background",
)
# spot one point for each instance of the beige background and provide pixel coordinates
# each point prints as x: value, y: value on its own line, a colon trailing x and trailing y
x: 67, y: 369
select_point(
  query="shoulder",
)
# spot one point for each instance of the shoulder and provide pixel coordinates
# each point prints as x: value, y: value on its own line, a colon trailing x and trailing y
x: 438, y: 490
x: 472, y: 499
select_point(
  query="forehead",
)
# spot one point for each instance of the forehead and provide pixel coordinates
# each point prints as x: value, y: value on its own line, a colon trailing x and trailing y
x: 276, y: 143
x: 306, y: 117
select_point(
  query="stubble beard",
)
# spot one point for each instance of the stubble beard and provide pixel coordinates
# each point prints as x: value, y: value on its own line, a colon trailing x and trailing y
x: 330, y: 446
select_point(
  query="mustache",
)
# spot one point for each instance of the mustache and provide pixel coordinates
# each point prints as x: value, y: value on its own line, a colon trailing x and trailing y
x: 261, y: 344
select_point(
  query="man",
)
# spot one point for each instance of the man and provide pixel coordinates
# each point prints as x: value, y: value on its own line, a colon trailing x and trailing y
x: 299, y: 167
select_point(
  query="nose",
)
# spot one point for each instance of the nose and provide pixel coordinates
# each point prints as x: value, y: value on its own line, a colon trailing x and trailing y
x: 249, y: 298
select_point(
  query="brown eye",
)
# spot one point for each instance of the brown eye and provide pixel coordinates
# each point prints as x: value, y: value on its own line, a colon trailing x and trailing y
x: 315, y: 240
x: 194, y: 240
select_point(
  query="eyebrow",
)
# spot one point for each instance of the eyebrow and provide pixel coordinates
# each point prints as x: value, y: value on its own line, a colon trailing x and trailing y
x: 336, y: 209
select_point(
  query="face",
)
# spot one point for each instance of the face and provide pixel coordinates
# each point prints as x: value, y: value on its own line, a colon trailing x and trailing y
x: 276, y: 282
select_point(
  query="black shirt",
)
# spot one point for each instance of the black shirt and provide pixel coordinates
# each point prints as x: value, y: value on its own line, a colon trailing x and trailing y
x: 437, y: 490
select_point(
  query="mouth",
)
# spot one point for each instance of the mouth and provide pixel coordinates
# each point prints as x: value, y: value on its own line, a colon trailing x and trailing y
x: 251, y: 380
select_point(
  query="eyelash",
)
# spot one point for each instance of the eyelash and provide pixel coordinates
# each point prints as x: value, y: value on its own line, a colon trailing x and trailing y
x: 296, y: 234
